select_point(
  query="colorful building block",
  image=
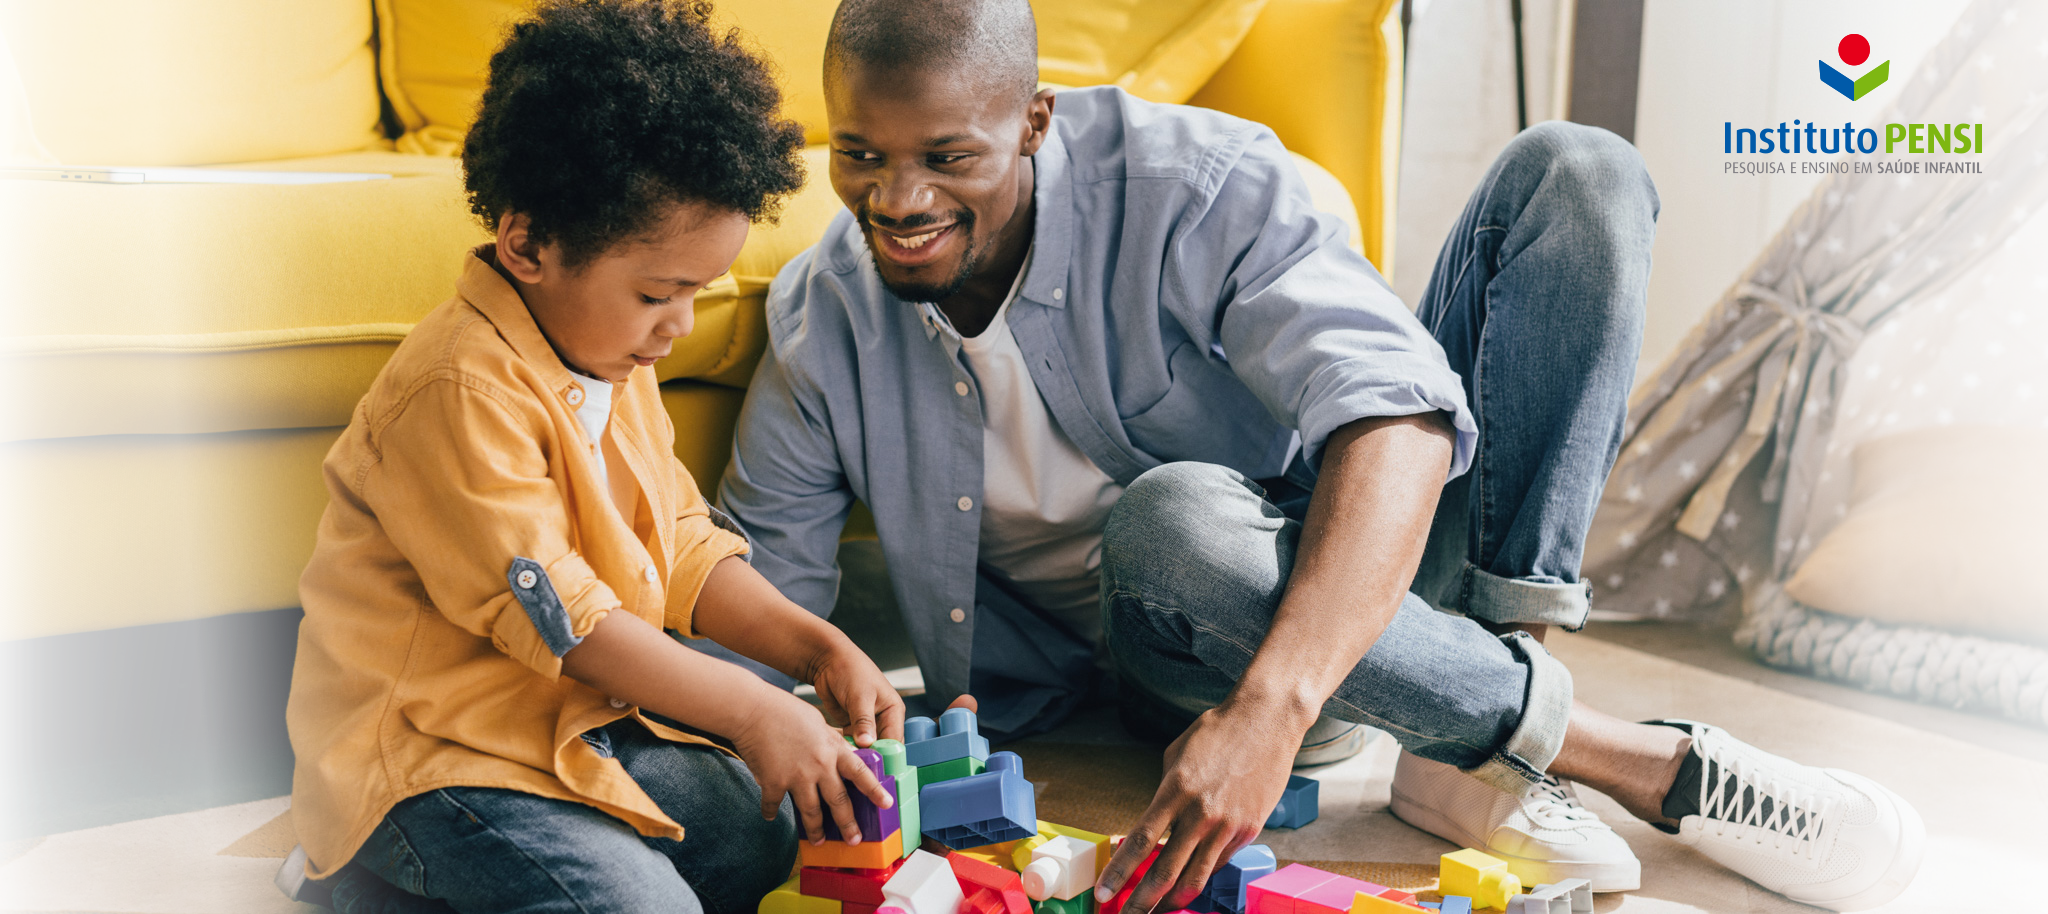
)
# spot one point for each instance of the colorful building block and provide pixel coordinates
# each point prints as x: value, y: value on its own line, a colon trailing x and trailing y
x: 857, y: 886
x: 788, y: 898
x: 848, y: 907
x: 1115, y: 904
x: 873, y: 821
x: 1383, y: 903
x: 997, y: 805
x: 1227, y: 887
x: 1544, y: 899
x: 947, y: 771
x: 1061, y: 868
x: 1081, y: 904
x: 1297, y: 804
x: 923, y: 884
x: 990, y: 889
x: 956, y: 735
x: 1477, y: 876
x: 1580, y: 891
x: 896, y: 764
x: 1299, y: 889
x: 867, y: 855
x: 1050, y: 830
x: 993, y: 858
x: 1454, y: 904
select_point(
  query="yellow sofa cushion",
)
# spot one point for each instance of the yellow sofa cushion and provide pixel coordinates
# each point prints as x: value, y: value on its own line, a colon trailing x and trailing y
x: 149, y: 82
x: 436, y: 52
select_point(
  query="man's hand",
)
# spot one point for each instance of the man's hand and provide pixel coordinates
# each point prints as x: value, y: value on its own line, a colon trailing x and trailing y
x: 1223, y: 778
x: 856, y: 697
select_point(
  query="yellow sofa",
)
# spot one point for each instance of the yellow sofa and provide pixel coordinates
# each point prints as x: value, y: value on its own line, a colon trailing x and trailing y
x: 180, y: 356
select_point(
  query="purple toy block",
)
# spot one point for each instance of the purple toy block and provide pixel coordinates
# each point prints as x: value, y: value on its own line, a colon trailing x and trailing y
x: 875, y: 822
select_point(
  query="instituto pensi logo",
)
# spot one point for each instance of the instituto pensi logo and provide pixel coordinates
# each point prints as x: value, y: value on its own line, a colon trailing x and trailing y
x: 1854, y: 50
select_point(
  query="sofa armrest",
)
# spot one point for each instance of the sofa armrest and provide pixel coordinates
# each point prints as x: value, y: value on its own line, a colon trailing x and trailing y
x: 1326, y: 76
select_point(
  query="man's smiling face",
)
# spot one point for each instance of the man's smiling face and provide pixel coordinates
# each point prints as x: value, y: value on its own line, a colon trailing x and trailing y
x: 936, y: 166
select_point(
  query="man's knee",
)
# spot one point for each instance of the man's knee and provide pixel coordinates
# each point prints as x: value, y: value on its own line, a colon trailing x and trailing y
x: 1590, y: 163
x: 1176, y: 516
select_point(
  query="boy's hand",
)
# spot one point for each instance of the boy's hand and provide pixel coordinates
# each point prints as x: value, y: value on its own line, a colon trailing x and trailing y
x: 856, y: 697
x: 791, y: 751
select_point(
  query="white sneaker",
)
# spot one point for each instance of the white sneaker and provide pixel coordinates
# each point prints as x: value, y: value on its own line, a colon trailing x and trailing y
x: 1820, y: 836
x: 1544, y: 834
x: 291, y: 880
x: 1332, y: 740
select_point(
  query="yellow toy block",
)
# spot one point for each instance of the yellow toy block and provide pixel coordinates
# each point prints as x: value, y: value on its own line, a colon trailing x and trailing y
x: 1047, y: 831
x: 867, y: 855
x: 787, y: 900
x: 1482, y: 878
x: 1362, y: 903
x: 991, y: 855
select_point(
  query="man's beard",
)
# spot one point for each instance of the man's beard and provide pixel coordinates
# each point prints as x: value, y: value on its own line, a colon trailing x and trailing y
x: 929, y: 291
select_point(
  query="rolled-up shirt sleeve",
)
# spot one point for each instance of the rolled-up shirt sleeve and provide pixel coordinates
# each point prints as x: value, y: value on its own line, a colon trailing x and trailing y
x: 1305, y: 322
x: 462, y: 488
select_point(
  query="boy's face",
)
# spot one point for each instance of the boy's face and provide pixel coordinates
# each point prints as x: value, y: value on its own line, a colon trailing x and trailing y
x: 626, y: 306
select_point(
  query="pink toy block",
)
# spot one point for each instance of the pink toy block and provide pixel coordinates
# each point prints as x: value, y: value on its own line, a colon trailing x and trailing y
x: 1299, y: 889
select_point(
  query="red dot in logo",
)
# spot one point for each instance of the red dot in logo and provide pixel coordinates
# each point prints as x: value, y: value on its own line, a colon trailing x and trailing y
x: 1854, y: 50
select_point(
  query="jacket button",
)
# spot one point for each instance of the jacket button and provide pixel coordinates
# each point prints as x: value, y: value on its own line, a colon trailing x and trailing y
x: 966, y: 504
x: 618, y: 703
x: 959, y: 615
x: 527, y: 579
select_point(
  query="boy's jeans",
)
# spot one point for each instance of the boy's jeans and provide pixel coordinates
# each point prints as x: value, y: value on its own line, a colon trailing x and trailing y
x: 1537, y: 298
x: 478, y: 849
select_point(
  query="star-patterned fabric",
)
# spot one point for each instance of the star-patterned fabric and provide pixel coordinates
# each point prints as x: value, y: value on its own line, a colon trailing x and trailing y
x: 1886, y: 302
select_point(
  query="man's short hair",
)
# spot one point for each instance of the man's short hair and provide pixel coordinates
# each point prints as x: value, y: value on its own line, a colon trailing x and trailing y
x: 995, y: 40
x: 601, y: 114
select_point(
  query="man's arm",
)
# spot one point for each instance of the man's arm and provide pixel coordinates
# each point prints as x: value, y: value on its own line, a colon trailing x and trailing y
x: 1363, y: 537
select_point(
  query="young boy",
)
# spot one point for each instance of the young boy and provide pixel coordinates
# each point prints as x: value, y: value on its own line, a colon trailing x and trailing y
x: 486, y: 712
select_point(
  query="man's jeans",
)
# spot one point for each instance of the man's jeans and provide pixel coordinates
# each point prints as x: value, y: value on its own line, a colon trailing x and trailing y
x: 479, y: 849
x: 1537, y: 298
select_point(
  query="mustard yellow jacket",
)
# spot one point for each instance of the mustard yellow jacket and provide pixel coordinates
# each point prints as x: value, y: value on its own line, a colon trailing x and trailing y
x: 468, y: 543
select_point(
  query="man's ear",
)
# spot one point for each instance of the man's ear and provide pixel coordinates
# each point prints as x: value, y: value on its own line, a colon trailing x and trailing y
x: 1037, y: 121
x: 518, y: 254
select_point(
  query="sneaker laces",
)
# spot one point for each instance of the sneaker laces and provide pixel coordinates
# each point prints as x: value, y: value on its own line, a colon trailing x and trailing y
x: 1737, y: 792
x: 1549, y: 800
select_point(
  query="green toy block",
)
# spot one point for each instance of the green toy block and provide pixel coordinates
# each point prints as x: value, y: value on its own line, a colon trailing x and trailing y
x: 946, y: 771
x: 907, y: 787
x: 1083, y: 903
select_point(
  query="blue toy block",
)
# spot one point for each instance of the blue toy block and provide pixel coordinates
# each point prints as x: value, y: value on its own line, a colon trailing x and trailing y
x: 989, y: 808
x: 957, y: 735
x: 875, y: 822
x: 1225, y: 893
x: 1454, y: 904
x: 1297, y: 804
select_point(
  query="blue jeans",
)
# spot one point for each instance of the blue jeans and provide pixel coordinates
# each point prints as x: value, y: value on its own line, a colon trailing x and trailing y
x: 1537, y: 299
x: 480, y: 849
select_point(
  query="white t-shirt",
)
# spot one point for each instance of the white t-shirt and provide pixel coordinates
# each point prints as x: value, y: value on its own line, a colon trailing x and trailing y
x: 1044, y: 503
x: 592, y: 414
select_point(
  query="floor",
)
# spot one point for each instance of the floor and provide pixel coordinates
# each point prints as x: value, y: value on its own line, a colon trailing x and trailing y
x: 1980, y: 785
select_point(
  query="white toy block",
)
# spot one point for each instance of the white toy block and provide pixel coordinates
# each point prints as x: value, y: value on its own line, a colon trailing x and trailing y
x: 1543, y: 899
x: 1061, y: 868
x: 924, y: 885
x: 1581, y: 894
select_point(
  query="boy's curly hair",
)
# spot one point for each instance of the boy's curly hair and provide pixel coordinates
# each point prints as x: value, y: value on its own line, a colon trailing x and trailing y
x: 601, y: 113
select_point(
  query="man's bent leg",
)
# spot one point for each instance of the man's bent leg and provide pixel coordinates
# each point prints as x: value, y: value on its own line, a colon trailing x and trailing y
x: 1537, y: 299
x: 1194, y: 564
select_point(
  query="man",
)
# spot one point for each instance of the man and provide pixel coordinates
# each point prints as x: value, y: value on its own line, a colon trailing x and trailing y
x: 1052, y: 351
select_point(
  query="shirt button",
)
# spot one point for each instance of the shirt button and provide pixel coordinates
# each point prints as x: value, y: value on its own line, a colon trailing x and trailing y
x: 618, y: 703
x: 959, y: 615
x: 1058, y: 294
x: 966, y: 504
x: 575, y: 396
x: 960, y: 387
x: 527, y: 579
x: 649, y: 575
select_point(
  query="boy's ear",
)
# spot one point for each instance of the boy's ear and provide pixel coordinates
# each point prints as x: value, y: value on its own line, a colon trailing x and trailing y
x: 518, y: 254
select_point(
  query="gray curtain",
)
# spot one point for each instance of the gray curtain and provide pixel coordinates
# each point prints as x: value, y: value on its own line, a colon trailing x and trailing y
x: 1710, y: 498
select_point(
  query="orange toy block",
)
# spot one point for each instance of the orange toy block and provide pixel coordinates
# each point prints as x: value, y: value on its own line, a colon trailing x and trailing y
x: 867, y: 855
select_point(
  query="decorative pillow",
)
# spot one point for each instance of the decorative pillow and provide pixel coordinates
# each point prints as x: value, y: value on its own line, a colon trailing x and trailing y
x: 1946, y: 529
x: 196, y: 82
x: 436, y: 53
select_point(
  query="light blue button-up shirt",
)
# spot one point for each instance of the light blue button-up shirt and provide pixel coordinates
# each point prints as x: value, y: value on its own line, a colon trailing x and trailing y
x: 1184, y: 301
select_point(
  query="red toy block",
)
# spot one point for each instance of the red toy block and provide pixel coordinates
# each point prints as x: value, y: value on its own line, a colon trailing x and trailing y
x: 989, y: 888
x: 1115, y: 905
x: 848, y: 907
x: 1399, y: 897
x: 861, y: 887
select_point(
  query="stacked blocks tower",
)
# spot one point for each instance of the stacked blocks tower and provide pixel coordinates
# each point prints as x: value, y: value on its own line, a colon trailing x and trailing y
x: 873, y: 821
x: 1227, y: 889
x: 994, y: 806
x: 957, y: 735
x: 923, y: 884
x: 896, y: 763
x: 1475, y: 875
x: 989, y: 888
x: 1297, y: 804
